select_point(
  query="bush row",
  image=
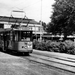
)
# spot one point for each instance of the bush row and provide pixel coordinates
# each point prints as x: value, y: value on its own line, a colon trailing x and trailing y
x: 54, y: 46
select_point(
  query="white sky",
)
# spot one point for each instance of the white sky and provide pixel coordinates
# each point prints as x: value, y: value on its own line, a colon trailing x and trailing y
x: 32, y: 8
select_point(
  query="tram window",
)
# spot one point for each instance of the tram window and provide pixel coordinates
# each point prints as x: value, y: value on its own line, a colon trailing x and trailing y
x: 8, y: 36
x: 22, y: 36
x: 16, y: 36
x: 1, y: 36
x: 26, y: 35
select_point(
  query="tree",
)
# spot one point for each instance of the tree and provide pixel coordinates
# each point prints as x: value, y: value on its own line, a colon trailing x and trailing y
x: 63, y: 18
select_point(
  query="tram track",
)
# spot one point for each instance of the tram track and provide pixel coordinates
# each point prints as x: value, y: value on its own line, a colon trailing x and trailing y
x: 56, y: 62
x: 61, y: 56
x: 56, y: 56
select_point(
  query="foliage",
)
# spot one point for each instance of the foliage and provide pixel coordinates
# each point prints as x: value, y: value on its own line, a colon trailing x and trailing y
x: 63, y: 17
x: 54, y: 46
x: 48, y: 48
x: 35, y: 43
x: 70, y: 47
x: 63, y: 47
x: 40, y: 45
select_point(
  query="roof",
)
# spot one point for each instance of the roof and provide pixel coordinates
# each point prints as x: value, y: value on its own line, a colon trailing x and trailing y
x: 5, y: 30
x: 22, y: 30
x: 17, y: 20
x: 10, y: 29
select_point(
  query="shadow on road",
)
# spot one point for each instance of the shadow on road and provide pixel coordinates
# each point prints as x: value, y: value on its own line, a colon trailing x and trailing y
x: 15, y: 53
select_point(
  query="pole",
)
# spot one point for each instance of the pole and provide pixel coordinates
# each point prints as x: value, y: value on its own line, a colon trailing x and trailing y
x: 41, y: 22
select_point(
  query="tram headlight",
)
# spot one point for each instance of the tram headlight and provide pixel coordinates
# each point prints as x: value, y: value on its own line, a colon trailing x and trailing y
x: 29, y: 44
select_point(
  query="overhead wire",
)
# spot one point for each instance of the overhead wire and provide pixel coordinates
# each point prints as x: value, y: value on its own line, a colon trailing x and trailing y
x: 25, y: 6
x: 31, y: 4
x: 22, y: 9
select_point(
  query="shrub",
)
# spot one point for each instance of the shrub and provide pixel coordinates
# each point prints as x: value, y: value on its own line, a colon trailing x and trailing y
x: 41, y: 46
x: 67, y: 47
x: 70, y: 47
x: 62, y: 47
x: 53, y: 46
x: 35, y: 42
x: 48, y: 47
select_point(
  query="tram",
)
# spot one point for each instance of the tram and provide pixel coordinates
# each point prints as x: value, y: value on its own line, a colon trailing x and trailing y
x: 16, y: 40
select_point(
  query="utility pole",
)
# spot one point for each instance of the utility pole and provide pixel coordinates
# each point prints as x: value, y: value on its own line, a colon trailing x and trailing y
x: 41, y: 22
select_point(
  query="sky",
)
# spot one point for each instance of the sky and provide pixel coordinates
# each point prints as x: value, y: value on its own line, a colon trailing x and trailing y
x: 33, y: 9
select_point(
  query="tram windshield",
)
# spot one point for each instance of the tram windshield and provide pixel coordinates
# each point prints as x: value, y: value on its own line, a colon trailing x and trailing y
x: 23, y: 35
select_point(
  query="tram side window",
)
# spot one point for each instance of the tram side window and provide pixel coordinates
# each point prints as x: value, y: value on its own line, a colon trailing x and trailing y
x: 8, y: 36
x: 16, y: 36
x: 1, y: 36
x: 22, y: 36
x: 19, y: 35
x: 13, y: 36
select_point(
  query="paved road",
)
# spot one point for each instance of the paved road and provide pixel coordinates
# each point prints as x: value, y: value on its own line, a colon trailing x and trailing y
x: 46, y: 53
x: 14, y: 65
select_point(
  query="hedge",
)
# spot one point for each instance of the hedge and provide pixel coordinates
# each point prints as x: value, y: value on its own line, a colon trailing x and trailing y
x: 54, y: 46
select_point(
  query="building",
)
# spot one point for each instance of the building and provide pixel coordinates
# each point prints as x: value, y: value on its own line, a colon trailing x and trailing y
x: 7, y: 22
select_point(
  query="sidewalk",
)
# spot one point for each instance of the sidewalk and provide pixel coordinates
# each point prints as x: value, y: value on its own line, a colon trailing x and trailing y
x: 12, y: 65
x: 7, y: 56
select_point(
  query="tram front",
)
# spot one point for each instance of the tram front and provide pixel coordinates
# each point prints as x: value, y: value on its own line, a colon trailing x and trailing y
x: 22, y: 41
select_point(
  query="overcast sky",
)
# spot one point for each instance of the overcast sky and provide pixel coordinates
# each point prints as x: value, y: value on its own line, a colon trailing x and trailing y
x: 32, y: 8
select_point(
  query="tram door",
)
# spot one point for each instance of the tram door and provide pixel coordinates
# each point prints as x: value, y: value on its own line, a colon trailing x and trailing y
x: 2, y: 41
x: 6, y: 40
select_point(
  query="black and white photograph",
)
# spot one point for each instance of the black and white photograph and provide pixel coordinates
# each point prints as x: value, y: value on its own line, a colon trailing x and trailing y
x: 37, y: 37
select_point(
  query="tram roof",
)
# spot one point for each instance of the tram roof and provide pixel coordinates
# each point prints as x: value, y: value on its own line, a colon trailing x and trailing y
x: 17, y: 20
